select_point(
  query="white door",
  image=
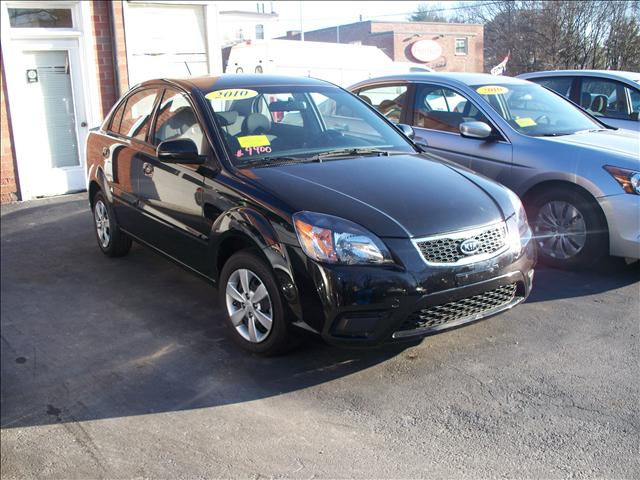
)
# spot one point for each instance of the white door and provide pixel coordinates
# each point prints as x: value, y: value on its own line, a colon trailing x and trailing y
x: 167, y: 41
x: 52, y: 118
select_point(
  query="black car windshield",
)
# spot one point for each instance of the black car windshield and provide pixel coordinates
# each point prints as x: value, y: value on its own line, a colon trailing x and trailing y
x: 535, y: 111
x: 297, y: 123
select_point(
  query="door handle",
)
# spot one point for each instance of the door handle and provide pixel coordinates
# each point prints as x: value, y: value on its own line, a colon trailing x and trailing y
x: 83, y: 124
x: 147, y: 168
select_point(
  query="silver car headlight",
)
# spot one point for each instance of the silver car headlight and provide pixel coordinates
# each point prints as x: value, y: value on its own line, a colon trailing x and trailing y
x: 519, y: 230
x: 330, y: 239
x: 628, y: 179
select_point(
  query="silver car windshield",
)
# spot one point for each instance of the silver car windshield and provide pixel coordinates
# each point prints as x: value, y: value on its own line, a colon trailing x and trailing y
x: 296, y: 123
x: 535, y: 111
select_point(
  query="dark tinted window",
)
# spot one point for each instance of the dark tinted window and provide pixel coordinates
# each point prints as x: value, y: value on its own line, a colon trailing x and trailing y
x: 561, y: 85
x: 116, y: 118
x: 606, y: 98
x: 137, y: 114
x: 440, y: 108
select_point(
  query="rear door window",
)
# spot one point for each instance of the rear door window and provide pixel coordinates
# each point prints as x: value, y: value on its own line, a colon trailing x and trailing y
x: 561, y: 85
x: 136, y: 117
x: 389, y: 100
x: 606, y: 98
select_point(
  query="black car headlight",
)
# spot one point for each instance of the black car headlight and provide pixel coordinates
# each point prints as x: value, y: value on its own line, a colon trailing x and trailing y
x: 330, y: 239
x: 628, y: 179
x: 519, y: 230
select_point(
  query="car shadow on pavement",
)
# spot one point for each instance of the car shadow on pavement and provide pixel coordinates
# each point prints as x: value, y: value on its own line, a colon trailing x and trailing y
x: 608, y: 274
x: 86, y: 337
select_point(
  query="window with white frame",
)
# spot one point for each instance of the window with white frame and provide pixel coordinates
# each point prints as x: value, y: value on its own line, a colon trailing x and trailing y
x: 40, y: 17
x: 259, y: 32
x: 462, y: 46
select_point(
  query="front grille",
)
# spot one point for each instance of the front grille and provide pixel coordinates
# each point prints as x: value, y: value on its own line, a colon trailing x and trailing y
x: 446, y: 248
x: 448, y: 312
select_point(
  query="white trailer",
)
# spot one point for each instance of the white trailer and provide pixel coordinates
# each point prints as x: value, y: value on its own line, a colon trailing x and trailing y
x: 342, y: 64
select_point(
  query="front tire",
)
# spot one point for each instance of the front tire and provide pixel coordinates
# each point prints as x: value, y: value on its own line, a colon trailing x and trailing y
x: 568, y: 227
x: 255, y: 313
x: 111, y: 240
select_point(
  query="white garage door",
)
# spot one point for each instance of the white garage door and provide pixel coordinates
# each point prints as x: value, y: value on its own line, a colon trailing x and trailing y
x: 165, y: 41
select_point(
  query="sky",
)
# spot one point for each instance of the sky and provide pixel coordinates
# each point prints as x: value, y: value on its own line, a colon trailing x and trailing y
x: 317, y: 14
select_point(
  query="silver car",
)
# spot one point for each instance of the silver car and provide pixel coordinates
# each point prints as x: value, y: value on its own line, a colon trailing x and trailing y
x: 612, y: 96
x: 579, y: 179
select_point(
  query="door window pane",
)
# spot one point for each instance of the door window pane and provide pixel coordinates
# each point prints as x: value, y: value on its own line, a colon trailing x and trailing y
x: 561, y: 85
x: 137, y: 114
x: 440, y: 108
x: 605, y: 98
x: 635, y: 101
x: 40, y: 18
x: 389, y: 100
x: 53, y: 110
x: 176, y: 119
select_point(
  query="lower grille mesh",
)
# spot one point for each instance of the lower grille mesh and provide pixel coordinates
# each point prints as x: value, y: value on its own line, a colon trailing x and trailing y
x: 440, y: 314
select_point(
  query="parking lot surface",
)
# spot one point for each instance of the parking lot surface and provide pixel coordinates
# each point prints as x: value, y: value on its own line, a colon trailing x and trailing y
x: 120, y: 368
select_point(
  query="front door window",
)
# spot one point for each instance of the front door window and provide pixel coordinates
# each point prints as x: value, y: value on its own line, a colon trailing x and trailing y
x: 440, y: 108
x: 52, y: 109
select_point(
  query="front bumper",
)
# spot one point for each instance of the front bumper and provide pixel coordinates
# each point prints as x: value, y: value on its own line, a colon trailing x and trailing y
x: 366, y: 305
x: 623, y: 218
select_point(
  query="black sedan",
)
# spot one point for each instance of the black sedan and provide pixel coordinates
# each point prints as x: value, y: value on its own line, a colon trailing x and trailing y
x: 307, y: 209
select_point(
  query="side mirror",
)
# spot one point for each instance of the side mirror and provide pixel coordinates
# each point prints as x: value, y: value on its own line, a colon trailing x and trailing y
x: 475, y: 130
x: 635, y: 116
x: 182, y: 150
x: 407, y: 130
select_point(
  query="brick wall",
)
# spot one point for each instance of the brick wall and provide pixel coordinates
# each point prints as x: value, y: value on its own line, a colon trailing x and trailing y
x: 9, y: 191
x: 101, y: 19
x: 121, y: 46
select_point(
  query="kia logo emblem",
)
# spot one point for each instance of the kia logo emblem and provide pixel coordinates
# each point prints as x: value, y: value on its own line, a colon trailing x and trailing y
x: 469, y: 247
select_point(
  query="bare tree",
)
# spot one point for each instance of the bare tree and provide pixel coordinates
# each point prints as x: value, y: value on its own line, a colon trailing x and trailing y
x: 558, y: 34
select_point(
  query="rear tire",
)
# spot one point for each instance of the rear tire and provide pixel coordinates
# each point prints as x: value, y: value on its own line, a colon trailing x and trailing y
x: 254, y: 308
x: 568, y: 227
x: 111, y: 240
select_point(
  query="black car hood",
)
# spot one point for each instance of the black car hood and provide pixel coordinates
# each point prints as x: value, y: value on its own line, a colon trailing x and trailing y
x: 395, y: 196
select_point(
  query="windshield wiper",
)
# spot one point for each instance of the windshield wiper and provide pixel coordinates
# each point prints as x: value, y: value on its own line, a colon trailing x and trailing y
x: 552, y: 134
x: 265, y: 161
x: 349, y: 152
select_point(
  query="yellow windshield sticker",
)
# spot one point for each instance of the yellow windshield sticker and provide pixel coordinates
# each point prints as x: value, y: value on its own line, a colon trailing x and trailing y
x: 525, y: 122
x: 254, y: 141
x: 231, y: 94
x: 492, y: 90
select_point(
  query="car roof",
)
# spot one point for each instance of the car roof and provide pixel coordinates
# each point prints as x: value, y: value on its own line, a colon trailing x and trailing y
x: 450, y: 77
x: 615, y: 74
x: 235, y: 80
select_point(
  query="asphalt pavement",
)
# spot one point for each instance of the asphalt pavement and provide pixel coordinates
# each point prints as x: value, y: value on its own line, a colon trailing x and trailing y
x: 120, y: 368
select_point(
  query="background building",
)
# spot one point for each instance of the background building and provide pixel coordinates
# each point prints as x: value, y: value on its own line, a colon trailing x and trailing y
x: 65, y: 63
x: 447, y: 47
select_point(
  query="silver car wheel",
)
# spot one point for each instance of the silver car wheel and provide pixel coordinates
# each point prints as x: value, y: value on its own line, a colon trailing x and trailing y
x: 249, y: 305
x: 560, y: 230
x: 103, y: 227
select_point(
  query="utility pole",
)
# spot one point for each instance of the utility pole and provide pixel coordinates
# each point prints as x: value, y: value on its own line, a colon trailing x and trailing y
x: 301, y: 29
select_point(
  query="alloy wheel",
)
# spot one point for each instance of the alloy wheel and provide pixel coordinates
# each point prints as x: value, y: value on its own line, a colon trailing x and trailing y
x: 560, y: 230
x: 103, y: 227
x: 249, y: 305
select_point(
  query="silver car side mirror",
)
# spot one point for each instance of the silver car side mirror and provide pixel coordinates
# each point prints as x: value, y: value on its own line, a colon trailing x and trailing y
x: 407, y: 130
x: 475, y: 130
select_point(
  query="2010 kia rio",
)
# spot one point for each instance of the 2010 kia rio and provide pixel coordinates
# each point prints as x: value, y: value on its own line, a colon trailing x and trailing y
x: 307, y: 209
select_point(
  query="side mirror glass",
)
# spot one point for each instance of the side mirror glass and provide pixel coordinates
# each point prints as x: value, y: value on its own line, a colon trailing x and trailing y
x: 475, y: 130
x: 407, y: 130
x: 182, y: 150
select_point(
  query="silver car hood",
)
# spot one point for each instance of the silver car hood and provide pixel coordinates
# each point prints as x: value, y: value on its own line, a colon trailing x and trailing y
x: 624, y: 142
